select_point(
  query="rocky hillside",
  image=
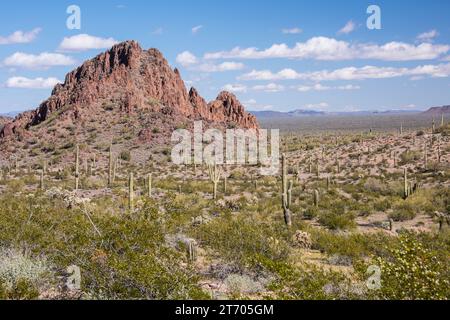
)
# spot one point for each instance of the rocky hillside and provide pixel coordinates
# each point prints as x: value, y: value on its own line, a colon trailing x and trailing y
x: 4, y: 120
x: 437, y: 111
x: 126, y: 93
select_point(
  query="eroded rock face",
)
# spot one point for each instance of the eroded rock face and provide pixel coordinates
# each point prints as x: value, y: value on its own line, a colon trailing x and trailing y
x: 130, y: 79
x: 227, y: 108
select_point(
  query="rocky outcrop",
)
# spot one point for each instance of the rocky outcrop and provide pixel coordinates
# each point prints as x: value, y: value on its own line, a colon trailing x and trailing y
x: 227, y: 108
x: 131, y: 79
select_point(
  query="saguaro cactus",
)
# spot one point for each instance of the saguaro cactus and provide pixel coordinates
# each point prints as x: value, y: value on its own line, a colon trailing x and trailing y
x: 285, y: 192
x: 425, y: 156
x: 215, y: 173
x: 192, y: 251
x: 131, y: 192
x: 41, y: 180
x: 328, y: 182
x: 316, y: 198
x: 225, y: 179
x: 77, y: 167
x: 439, y: 153
x: 442, y: 120
x: 149, y: 184
x: 433, y: 126
x: 110, y: 172
x: 401, y: 128
x: 405, y: 183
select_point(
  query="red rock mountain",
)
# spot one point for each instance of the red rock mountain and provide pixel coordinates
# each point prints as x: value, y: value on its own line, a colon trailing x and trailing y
x: 133, y: 80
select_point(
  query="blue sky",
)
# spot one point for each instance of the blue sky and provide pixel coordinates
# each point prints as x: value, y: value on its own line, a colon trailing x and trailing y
x: 274, y: 55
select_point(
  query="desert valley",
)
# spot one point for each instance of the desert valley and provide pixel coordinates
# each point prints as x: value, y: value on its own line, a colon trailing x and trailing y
x: 91, y: 206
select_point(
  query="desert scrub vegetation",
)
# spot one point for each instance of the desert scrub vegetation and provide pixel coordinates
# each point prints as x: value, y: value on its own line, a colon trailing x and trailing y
x: 127, y: 260
x: 414, y: 268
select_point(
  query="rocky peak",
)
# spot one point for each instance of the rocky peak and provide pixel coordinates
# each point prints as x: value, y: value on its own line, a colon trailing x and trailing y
x: 129, y: 79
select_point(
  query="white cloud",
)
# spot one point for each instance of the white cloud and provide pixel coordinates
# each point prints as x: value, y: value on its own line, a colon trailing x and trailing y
x: 348, y: 28
x: 323, y: 48
x: 316, y: 106
x: 83, y: 42
x: 189, y: 60
x: 26, y: 83
x: 186, y: 59
x: 348, y: 87
x: 196, y: 29
x: 43, y: 60
x: 292, y: 31
x: 427, y: 36
x: 271, y: 87
x: 320, y: 87
x: 235, y: 88
x: 249, y: 102
x: 222, y: 67
x: 20, y: 37
x: 350, y: 73
x: 158, y: 31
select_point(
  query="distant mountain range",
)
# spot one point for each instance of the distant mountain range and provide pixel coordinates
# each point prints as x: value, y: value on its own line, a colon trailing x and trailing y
x: 437, y: 111
x: 315, y: 113
x: 11, y: 114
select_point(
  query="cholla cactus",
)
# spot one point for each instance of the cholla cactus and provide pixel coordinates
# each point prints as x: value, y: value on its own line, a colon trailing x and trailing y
x: 302, y: 240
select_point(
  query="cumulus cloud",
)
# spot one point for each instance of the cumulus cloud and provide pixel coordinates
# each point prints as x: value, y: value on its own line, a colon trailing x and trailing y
x: 320, y: 87
x: 196, y: 29
x: 329, y: 49
x: 83, y: 42
x: 427, y: 36
x: 236, y: 88
x: 26, y: 83
x: 316, y: 106
x: 186, y: 59
x: 190, y: 61
x: 292, y: 31
x: 348, y: 28
x: 20, y: 37
x: 271, y: 87
x: 350, y: 73
x: 222, y: 67
x: 43, y: 60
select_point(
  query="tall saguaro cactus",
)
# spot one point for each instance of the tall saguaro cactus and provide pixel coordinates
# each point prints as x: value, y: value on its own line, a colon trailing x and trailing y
x: 425, y: 156
x: 41, y: 180
x: 285, y: 192
x: 215, y: 173
x: 316, y: 198
x: 77, y: 167
x: 131, y: 192
x: 149, y: 185
x: 110, y: 172
x: 405, y: 184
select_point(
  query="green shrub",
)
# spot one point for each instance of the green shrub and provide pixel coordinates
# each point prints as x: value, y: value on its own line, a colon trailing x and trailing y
x: 412, y: 271
x: 337, y: 221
